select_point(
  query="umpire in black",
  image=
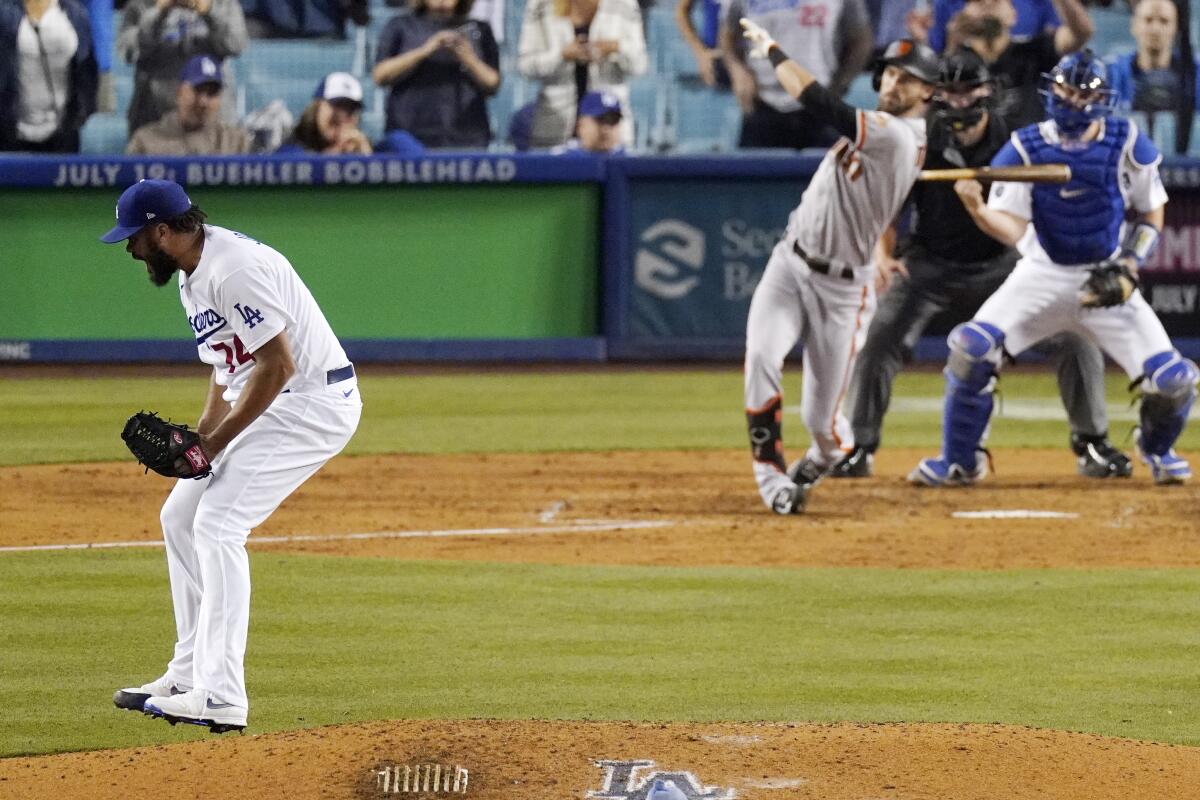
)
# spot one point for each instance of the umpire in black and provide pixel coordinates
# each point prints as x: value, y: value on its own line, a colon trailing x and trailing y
x: 949, y: 264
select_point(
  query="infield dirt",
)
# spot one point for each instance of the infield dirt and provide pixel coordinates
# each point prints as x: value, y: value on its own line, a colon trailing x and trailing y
x: 712, y: 516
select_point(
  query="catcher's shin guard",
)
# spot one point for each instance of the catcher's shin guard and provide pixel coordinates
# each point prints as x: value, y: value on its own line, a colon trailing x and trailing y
x: 766, y: 439
x: 1168, y: 391
x: 975, y: 349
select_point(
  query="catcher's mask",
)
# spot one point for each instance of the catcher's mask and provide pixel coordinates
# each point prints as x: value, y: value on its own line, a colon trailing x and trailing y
x: 913, y: 57
x: 1083, y: 79
x: 965, y: 90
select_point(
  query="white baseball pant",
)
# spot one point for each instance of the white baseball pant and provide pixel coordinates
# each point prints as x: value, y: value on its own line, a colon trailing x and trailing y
x: 206, y: 522
x: 1040, y: 299
x: 828, y: 315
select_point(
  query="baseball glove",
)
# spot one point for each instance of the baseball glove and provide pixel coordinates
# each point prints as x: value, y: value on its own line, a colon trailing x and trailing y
x: 170, y: 450
x: 1110, y: 283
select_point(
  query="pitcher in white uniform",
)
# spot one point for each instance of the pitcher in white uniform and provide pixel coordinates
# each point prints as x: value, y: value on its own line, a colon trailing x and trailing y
x: 283, y: 399
x: 818, y: 287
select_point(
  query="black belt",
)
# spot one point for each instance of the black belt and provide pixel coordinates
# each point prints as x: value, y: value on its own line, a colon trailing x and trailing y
x: 335, y: 376
x: 821, y: 265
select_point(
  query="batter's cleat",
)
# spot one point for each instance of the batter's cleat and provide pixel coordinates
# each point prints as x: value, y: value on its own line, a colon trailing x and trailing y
x: 806, y: 473
x: 198, y: 707
x: 1169, y: 469
x: 134, y: 699
x: 858, y: 463
x: 1098, y: 458
x: 940, y: 472
x: 790, y: 499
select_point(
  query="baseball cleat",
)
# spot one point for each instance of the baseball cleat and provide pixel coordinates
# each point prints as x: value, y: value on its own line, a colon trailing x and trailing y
x: 940, y: 472
x: 133, y: 699
x: 806, y: 473
x: 1168, y: 469
x: 1098, y: 458
x: 790, y: 499
x: 858, y: 463
x: 198, y: 707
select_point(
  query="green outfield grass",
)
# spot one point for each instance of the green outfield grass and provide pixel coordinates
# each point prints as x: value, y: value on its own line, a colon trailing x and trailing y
x: 337, y: 639
x: 79, y: 420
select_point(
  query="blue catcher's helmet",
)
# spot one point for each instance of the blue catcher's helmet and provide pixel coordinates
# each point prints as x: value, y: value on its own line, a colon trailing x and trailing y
x: 1083, y: 72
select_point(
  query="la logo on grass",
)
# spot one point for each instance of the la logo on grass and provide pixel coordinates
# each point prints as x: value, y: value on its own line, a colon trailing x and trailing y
x: 634, y: 780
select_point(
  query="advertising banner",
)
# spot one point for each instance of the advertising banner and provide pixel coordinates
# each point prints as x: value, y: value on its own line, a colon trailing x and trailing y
x: 699, y: 248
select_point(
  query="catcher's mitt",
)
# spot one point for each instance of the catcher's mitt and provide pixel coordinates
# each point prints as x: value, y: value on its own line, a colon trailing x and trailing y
x: 1109, y: 283
x: 168, y: 449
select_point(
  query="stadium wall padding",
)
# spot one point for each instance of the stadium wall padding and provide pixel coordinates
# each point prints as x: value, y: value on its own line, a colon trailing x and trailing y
x: 484, y: 257
x: 489, y: 262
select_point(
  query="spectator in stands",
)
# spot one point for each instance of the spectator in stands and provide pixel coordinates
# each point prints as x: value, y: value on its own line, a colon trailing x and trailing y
x: 833, y: 41
x: 986, y: 27
x: 193, y: 128
x: 704, y: 44
x: 159, y: 36
x: 577, y: 46
x: 303, y: 19
x: 440, y: 68
x: 1151, y: 78
x: 490, y: 11
x: 48, y: 75
x: 598, y: 128
x: 1034, y: 17
x: 329, y: 125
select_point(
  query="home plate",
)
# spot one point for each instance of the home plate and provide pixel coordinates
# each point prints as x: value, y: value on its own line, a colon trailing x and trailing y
x: 1014, y: 513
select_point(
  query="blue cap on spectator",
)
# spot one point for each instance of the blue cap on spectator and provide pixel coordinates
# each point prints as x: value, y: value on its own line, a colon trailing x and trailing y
x: 600, y: 104
x: 339, y: 86
x: 200, y: 70
x: 146, y: 202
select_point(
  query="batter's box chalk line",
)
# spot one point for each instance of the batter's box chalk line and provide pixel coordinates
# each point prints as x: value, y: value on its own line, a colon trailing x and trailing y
x: 1014, y: 513
x: 583, y: 526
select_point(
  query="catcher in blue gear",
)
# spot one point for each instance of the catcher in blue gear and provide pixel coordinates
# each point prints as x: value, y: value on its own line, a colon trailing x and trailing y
x: 1081, y: 245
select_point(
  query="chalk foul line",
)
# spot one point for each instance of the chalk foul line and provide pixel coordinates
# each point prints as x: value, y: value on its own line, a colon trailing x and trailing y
x: 1014, y: 513
x: 589, y: 526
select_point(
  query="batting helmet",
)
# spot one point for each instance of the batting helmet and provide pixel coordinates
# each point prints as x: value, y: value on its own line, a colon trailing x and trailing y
x: 965, y: 89
x: 912, y: 57
x: 1086, y: 73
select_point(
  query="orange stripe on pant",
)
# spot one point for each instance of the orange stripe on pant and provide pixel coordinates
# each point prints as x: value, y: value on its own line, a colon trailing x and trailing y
x: 849, y: 368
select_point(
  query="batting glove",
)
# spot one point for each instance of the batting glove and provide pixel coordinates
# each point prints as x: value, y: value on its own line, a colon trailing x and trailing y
x: 760, y: 40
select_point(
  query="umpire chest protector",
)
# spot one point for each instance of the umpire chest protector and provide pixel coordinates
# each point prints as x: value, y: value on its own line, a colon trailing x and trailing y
x: 1079, y: 222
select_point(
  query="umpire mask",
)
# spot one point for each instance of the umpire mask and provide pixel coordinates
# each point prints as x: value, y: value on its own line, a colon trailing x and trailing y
x: 965, y: 90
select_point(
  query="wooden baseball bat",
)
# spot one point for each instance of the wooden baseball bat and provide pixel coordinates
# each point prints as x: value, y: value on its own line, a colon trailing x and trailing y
x: 1038, y: 173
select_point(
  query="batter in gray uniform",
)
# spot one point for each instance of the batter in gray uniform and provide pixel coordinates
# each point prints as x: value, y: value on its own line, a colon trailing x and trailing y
x: 818, y: 287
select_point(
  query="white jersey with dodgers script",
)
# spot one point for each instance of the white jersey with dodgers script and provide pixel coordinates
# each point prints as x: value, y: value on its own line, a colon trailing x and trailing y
x: 239, y: 297
x: 858, y: 189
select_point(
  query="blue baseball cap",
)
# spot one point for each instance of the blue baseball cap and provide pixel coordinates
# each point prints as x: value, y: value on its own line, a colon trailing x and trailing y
x: 600, y: 104
x: 143, y: 203
x: 200, y: 70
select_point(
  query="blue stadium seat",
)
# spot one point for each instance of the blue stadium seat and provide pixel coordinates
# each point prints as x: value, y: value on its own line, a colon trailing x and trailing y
x: 502, y: 105
x: 296, y: 93
x: 647, y: 99
x: 861, y: 94
x: 295, y: 59
x: 1112, y: 30
x: 706, y: 120
x: 104, y: 134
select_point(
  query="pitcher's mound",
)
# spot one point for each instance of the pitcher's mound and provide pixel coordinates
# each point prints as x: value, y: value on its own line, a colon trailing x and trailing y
x: 559, y: 760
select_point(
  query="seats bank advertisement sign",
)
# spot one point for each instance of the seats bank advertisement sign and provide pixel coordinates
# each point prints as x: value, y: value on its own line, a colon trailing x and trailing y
x: 698, y: 250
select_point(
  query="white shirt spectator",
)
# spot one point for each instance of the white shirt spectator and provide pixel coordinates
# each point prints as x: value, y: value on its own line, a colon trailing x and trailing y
x: 544, y: 34
x: 44, y: 84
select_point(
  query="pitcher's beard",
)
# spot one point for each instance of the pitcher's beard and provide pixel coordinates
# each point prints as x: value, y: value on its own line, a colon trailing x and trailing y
x: 161, y: 267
